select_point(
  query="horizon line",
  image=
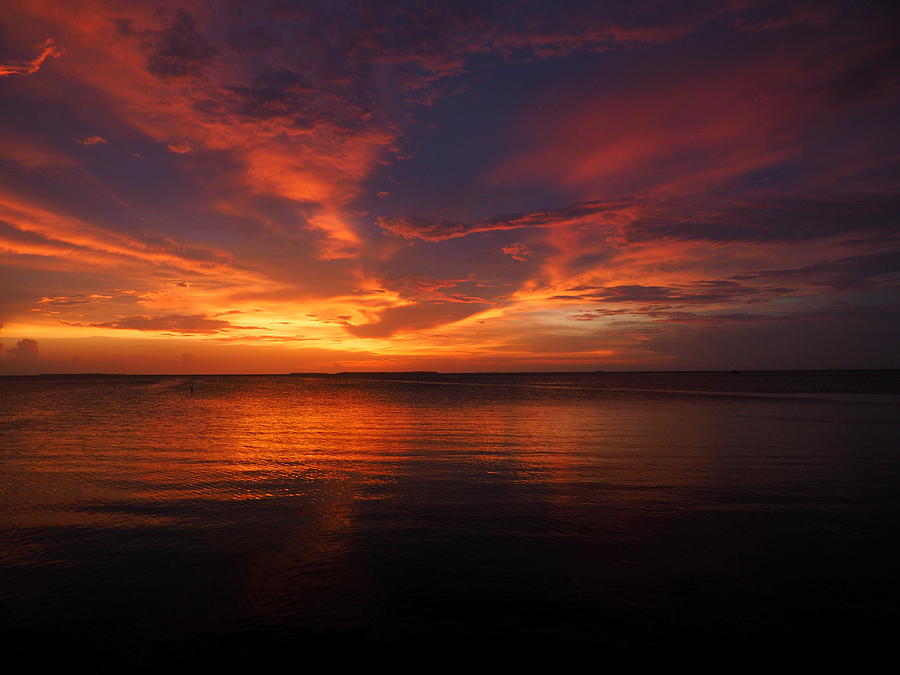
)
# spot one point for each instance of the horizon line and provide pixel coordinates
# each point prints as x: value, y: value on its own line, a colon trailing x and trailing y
x: 348, y: 373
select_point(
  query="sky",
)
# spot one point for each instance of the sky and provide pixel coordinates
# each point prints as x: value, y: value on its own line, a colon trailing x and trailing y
x: 275, y: 186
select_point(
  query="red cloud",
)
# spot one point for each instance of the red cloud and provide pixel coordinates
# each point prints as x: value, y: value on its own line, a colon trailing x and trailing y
x: 517, y: 251
x: 49, y: 50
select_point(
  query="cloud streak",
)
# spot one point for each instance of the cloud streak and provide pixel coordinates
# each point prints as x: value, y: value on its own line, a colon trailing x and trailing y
x: 431, y: 229
x: 172, y: 323
x: 49, y: 50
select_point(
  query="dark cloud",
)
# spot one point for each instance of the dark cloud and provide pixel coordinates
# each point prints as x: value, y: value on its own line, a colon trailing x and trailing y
x: 855, y: 272
x: 25, y: 351
x: 420, y: 288
x: 701, y: 292
x: 603, y: 313
x: 174, y: 323
x: 873, y: 74
x: 664, y: 314
x: 274, y: 94
x: 776, y: 219
x: 255, y: 40
x: 340, y: 319
x: 717, y: 318
x: 436, y: 229
x: 794, y: 15
x: 179, y: 50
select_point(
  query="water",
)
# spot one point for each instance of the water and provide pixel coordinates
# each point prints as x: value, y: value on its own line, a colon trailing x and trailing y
x: 145, y: 526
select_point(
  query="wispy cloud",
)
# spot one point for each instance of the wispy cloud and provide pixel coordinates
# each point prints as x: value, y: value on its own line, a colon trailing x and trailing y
x: 171, y: 323
x: 49, y: 50
x: 436, y: 229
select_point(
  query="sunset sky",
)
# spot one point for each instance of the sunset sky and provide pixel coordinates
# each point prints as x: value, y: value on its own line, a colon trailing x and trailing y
x: 275, y: 186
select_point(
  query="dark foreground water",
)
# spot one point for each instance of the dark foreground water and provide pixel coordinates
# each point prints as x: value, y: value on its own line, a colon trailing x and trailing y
x: 274, y: 517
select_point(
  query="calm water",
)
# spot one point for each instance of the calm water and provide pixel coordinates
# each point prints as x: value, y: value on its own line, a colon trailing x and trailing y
x: 265, y: 516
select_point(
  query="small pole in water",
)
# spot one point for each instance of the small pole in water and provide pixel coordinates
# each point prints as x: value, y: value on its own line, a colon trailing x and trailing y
x: 192, y: 388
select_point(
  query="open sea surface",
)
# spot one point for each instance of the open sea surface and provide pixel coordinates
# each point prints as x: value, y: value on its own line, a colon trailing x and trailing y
x: 143, y: 526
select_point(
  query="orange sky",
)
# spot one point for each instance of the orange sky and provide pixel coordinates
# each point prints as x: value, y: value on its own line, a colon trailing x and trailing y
x: 258, y: 187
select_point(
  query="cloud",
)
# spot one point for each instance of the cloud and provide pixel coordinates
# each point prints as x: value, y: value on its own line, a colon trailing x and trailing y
x: 794, y: 15
x: 718, y: 318
x: 49, y: 50
x: 179, y: 49
x: 701, y: 292
x: 542, y: 32
x: 784, y: 218
x: 414, y: 317
x: 25, y: 351
x: 861, y: 80
x: 340, y: 320
x: 90, y: 140
x: 420, y: 288
x: 517, y: 251
x: 436, y: 229
x: 854, y: 272
x: 28, y: 229
x: 174, y: 323
x: 70, y: 300
x: 665, y: 315
x: 180, y: 148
